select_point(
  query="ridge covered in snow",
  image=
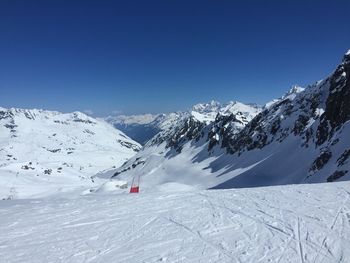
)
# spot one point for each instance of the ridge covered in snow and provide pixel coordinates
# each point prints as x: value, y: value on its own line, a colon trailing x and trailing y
x: 207, y: 112
x: 47, y: 151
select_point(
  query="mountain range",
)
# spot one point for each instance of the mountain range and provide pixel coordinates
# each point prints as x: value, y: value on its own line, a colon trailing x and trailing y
x: 302, y: 137
x: 143, y: 127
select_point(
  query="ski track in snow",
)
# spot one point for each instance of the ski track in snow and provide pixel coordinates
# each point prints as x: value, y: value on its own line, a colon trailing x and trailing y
x: 296, y: 223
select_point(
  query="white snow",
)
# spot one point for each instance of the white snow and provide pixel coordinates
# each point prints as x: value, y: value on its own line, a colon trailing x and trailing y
x: 205, y: 118
x: 319, y: 112
x: 271, y: 103
x: 292, y: 93
x: 112, y: 186
x: 296, y: 223
x: 207, y: 112
x: 46, y: 152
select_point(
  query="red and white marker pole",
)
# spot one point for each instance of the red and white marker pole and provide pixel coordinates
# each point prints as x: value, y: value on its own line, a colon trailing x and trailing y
x: 135, y: 185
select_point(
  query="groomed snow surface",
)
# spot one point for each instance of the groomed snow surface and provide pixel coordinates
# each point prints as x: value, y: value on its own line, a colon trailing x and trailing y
x: 295, y: 223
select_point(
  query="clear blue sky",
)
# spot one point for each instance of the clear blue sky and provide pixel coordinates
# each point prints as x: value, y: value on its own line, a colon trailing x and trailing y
x: 161, y: 56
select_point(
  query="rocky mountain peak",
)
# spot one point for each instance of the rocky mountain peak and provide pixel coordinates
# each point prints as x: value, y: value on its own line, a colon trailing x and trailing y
x: 294, y: 90
x: 206, y: 107
x: 346, y: 58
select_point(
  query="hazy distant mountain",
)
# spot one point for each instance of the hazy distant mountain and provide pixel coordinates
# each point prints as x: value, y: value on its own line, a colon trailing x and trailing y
x: 138, y: 127
x: 143, y: 127
x: 303, y: 137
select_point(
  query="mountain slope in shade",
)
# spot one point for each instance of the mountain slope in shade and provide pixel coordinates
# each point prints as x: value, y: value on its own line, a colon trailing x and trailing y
x: 302, y: 137
x: 46, y: 151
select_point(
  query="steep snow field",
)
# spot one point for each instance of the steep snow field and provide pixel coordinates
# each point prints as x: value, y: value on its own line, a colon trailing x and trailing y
x: 295, y: 223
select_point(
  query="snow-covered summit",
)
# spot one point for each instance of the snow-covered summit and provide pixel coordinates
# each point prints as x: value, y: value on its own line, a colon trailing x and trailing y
x: 207, y: 112
x: 294, y: 90
x: 290, y: 95
x: 346, y: 59
x: 207, y: 107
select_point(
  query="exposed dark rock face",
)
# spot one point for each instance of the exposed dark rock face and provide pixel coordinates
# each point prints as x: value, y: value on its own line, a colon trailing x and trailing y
x: 338, y: 102
x: 10, y: 126
x: 61, y: 122
x: 187, y: 129
x: 300, y: 124
x: 336, y: 175
x: 27, y: 167
x: 343, y: 158
x: 29, y: 115
x: 5, y: 114
x: 190, y: 130
x: 321, y: 161
x: 76, y: 118
x: 129, y: 145
x: 53, y: 150
x: 48, y: 171
x: 262, y: 130
x: 89, y: 132
x: 223, y: 128
x: 133, y: 166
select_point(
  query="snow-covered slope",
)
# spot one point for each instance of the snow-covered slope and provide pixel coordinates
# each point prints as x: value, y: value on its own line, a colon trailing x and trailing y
x: 302, y: 137
x: 296, y: 223
x: 42, y: 152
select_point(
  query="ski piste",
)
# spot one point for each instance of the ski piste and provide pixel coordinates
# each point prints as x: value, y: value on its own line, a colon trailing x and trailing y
x: 292, y: 223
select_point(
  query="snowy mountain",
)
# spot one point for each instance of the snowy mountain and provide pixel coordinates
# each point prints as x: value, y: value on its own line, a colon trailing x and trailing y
x: 303, y: 137
x: 143, y: 127
x: 46, y: 151
x: 207, y: 112
x: 171, y: 155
